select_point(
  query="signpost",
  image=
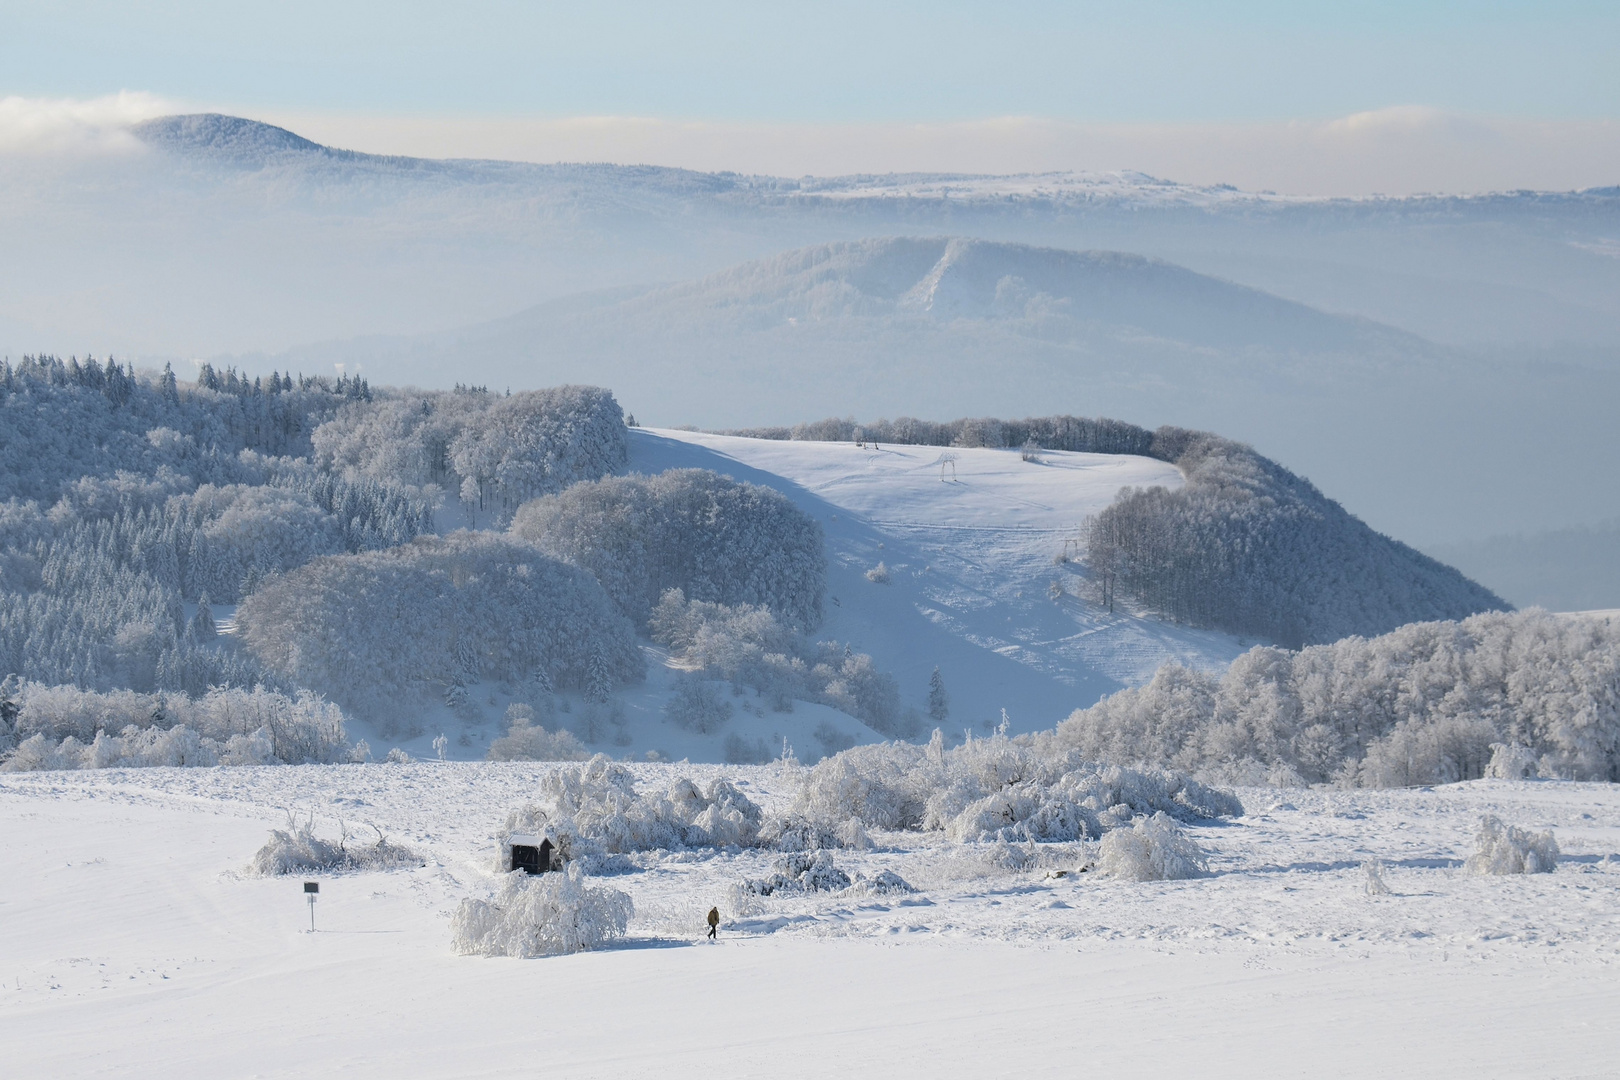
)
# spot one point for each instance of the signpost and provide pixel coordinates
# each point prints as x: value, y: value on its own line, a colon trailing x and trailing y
x: 312, y: 889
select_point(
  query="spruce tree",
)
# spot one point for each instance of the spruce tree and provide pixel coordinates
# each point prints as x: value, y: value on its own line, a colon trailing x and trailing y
x: 939, y: 702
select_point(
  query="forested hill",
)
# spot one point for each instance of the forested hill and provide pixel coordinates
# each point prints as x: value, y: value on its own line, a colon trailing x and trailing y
x: 1244, y: 546
x: 130, y: 502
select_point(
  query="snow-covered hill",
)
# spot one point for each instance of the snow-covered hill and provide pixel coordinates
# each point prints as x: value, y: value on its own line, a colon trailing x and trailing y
x: 969, y: 541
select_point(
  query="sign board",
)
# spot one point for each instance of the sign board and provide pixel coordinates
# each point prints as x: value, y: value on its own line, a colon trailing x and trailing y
x: 312, y: 886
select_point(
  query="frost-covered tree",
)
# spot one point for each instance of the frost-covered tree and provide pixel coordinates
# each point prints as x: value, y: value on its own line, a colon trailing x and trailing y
x: 1424, y: 704
x: 382, y: 632
x: 1248, y: 547
x: 712, y: 537
x: 939, y: 702
x: 492, y: 452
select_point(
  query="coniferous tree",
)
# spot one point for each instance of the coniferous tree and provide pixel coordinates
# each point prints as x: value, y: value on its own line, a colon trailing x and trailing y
x: 938, y: 700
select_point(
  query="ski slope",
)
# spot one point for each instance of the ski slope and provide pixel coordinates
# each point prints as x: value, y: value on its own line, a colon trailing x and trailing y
x: 131, y: 944
x: 970, y: 539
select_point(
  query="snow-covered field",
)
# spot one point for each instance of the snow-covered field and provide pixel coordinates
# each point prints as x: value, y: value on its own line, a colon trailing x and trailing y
x: 132, y: 944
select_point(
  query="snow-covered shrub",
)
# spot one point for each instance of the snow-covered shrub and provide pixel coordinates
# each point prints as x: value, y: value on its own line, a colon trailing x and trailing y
x: 878, y: 575
x: 749, y: 646
x: 997, y: 788
x: 526, y: 740
x: 384, y: 631
x: 1508, y: 849
x: 1373, y: 878
x: 712, y: 537
x: 801, y: 872
x: 1510, y: 761
x: 1152, y: 849
x: 595, y: 808
x: 64, y: 727
x: 541, y: 915
x: 883, y: 883
x: 297, y: 850
x: 1421, y: 705
x: 698, y: 705
x: 795, y: 832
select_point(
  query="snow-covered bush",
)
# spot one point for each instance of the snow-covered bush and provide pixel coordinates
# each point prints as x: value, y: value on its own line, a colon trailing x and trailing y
x: 883, y: 883
x: 795, y: 832
x: 1510, y: 761
x: 1425, y: 704
x: 595, y: 808
x: 996, y: 789
x: 750, y: 647
x: 63, y: 727
x: 541, y: 915
x: 1152, y: 849
x: 878, y: 575
x: 1508, y: 849
x: 526, y: 740
x: 383, y: 632
x: 801, y: 872
x: 297, y: 850
x: 712, y: 537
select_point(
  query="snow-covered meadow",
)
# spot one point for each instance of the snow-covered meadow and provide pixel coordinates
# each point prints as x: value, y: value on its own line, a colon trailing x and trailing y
x: 136, y: 941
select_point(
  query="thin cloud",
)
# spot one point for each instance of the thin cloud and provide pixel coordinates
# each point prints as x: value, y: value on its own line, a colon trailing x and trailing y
x: 57, y: 126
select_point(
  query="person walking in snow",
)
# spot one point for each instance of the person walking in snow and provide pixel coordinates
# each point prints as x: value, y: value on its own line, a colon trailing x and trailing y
x: 714, y: 921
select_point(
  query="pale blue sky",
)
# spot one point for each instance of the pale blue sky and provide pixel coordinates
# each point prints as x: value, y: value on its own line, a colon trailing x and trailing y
x: 840, y: 62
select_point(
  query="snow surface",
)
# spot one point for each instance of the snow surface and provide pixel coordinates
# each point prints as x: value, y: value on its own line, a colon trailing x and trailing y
x: 132, y: 944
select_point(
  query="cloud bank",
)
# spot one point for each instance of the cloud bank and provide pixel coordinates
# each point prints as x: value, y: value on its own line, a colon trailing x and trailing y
x: 55, y: 126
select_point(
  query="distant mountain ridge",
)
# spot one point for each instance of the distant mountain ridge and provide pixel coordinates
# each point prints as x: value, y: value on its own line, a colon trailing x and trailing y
x: 215, y: 133
x: 910, y: 307
x: 218, y: 135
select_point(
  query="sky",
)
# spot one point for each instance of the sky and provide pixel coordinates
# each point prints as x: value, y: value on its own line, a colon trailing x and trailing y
x: 1302, y: 96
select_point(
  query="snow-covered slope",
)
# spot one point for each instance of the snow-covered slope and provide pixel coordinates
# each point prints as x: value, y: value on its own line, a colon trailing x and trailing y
x: 970, y: 547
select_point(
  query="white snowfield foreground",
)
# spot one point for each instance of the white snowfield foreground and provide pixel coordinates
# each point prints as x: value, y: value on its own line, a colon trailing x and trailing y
x: 133, y: 944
